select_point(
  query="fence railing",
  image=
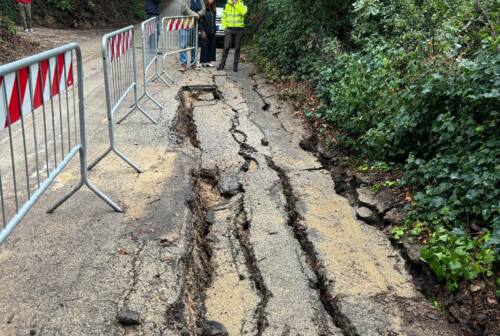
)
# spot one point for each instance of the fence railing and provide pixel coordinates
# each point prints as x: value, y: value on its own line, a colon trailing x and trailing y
x: 42, y: 127
x: 150, y: 36
x: 120, y: 79
x: 179, y: 35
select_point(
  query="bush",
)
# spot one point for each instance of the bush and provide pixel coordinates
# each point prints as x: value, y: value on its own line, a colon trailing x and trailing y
x: 7, y: 26
x: 83, y: 13
x: 416, y: 84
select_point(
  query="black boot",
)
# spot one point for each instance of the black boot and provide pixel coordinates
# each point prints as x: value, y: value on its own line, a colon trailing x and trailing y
x: 235, y: 67
x: 221, y: 67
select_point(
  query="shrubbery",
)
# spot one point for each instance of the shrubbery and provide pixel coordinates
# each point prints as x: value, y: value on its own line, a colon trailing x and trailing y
x: 414, y: 83
x: 78, y: 13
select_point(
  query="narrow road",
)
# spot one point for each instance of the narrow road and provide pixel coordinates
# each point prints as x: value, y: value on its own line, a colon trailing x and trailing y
x: 231, y: 224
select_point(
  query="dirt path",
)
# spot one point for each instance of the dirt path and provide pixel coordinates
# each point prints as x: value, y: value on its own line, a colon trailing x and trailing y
x: 231, y: 222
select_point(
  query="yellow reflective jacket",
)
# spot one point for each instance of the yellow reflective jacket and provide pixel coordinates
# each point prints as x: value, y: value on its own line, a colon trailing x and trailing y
x: 234, y: 15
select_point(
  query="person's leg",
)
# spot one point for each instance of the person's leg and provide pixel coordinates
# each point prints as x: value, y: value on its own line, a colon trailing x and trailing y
x: 183, y: 45
x: 194, y: 51
x: 28, y: 16
x: 238, y: 39
x: 228, y: 41
x: 23, y: 15
x: 212, y: 49
x: 151, y: 38
x: 158, y: 28
x: 204, y: 52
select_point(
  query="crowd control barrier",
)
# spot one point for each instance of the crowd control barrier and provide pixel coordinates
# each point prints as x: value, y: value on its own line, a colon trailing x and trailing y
x: 149, y: 40
x: 42, y: 127
x: 119, y: 62
x: 178, y: 34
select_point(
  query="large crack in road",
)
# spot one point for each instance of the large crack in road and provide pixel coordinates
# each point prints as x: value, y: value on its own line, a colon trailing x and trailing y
x: 287, y: 255
x: 233, y: 229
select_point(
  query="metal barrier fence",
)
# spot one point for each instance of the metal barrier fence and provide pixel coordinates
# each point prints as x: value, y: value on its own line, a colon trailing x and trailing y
x: 179, y: 34
x: 119, y: 62
x: 150, y: 38
x: 37, y: 151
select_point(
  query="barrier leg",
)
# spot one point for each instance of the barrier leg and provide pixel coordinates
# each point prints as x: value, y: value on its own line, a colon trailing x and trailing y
x: 154, y: 100
x: 67, y: 196
x: 167, y: 80
x: 92, y: 188
x: 103, y: 196
x: 96, y: 161
x: 124, y: 158
x: 120, y: 155
x: 140, y: 110
x: 147, y: 95
x: 85, y: 181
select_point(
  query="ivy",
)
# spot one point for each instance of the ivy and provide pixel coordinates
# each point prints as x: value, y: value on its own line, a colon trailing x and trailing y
x: 415, y: 84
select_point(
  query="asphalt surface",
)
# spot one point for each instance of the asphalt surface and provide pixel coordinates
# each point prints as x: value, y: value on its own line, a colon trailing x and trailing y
x: 230, y: 222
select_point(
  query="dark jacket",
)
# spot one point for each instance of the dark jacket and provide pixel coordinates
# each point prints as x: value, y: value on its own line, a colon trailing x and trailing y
x: 207, y: 23
x: 152, y: 7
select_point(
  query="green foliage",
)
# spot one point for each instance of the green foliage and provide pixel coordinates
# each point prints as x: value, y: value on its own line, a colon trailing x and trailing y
x: 138, y: 9
x: 64, y: 5
x: 73, y: 13
x: 7, y: 25
x: 377, y: 187
x: 8, y: 11
x: 414, y: 83
x: 398, y: 232
x: 453, y: 255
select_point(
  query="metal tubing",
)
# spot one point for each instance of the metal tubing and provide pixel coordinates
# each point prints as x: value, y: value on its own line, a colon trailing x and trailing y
x: 148, y: 26
x: 117, y: 83
x: 173, y: 26
x: 41, y: 89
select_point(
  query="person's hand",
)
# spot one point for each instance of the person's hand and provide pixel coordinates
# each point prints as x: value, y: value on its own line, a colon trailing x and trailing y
x: 197, y: 16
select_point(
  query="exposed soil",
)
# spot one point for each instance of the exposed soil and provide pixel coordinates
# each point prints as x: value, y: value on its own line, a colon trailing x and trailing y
x: 14, y: 47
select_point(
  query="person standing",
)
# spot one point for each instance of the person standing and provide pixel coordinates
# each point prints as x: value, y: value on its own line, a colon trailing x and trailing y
x: 208, y: 29
x: 25, y: 8
x: 189, y: 8
x: 152, y: 9
x: 233, y: 22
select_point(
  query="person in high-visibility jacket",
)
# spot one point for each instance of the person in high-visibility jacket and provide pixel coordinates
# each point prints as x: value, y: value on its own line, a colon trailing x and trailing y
x: 233, y: 22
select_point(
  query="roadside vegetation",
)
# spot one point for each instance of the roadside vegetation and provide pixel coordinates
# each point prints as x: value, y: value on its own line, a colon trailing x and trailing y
x: 77, y: 14
x: 409, y: 85
x: 64, y: 14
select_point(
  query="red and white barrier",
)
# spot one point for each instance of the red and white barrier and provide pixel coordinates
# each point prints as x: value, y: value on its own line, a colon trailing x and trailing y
x: 119, y: 44
x: 173, y: 24
x: 17, y: 89
x: 149, y: 28
x: 38, y: 157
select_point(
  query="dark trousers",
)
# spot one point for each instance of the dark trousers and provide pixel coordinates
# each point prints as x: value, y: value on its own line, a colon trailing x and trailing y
x: 25, y: 14
x: 208, y: 49
x: 236, y: 36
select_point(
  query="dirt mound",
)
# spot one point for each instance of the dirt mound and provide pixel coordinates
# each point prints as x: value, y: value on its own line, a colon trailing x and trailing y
x: 13, y: 47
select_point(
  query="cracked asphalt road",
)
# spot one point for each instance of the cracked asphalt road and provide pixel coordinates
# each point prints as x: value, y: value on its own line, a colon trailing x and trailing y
x: 231, y: 222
